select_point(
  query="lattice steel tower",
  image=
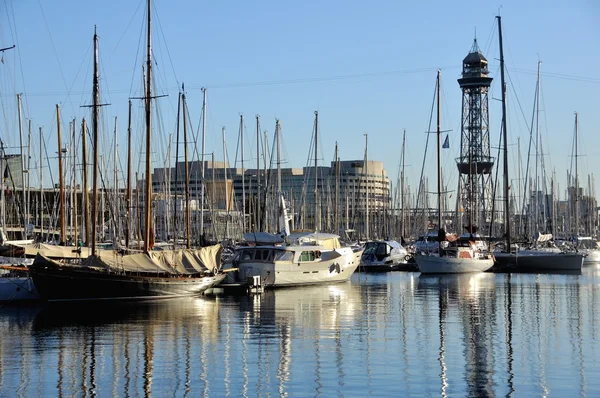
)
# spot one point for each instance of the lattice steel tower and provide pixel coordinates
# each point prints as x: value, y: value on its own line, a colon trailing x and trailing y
x: 475, y: 163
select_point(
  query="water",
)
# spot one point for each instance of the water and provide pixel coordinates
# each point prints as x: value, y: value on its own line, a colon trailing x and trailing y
x: 393, y: 334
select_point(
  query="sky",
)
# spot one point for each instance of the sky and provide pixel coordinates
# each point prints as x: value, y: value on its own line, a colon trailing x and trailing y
x: 366, y: 67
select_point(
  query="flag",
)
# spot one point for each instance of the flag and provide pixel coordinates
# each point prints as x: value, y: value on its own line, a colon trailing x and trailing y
x: 446, y: 142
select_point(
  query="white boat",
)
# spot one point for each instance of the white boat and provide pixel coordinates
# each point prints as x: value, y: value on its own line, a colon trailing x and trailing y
x: 16, y: 286
x: 460, y: 256
x: 383, y: 255
x: 278, y: 266
x: 589, y: 248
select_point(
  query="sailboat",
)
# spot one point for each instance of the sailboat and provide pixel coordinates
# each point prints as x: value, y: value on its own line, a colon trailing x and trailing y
x: 529, y: 259
x: 148, y: 274
x: 461, y: 255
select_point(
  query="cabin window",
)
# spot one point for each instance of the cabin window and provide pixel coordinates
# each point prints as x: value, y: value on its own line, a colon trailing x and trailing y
x: 246, y: 255
x: 307, y: 256
x: 282, y: 255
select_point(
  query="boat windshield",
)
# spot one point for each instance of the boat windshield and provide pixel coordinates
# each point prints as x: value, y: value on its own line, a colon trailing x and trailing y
x: 375, y: 248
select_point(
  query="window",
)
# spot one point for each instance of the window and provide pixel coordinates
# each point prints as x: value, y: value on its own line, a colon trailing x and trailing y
x: 307, y: 256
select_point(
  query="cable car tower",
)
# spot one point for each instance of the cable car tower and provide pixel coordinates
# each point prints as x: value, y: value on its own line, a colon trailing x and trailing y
x: 475, y: 163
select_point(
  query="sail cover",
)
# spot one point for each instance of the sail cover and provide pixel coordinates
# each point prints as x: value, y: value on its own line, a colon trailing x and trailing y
x: 176, y: 262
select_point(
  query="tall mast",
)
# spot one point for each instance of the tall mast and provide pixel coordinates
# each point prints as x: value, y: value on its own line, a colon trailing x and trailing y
x: 402, y: 230
x: 148, y: 103
x: 576, y: 182
x: 317, y: 204
x: 188, y: 218
x: 128, y: 193
x: 175, y: 214
x: 257, y: 210
x: 28, y: 212
x: 41, y: 186
x: 337, y: 188
x: 116, y: 232
x: 439, y: 164
x: 74, y: 186
x: 23, y: 198
x: 95, y: 134
x: 366, y: 168
x: 537, y: 149
x: 278, y: 133
x: 2, y: 187
x: 226, y: 183
x: 84, y: 189
x: 61, y: 187
x: 202, y: 166
x: 243, y: 175
x: 505, y: 140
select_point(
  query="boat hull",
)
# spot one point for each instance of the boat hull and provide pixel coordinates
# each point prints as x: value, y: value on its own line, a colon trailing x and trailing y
x: 541, y: 261
x: 65, y: 283
x: 591, y: 256
x: 451, y: 265
x: 17, y: 289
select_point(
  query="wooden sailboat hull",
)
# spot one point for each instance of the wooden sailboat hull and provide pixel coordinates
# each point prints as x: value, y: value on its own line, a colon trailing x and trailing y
x: 452, y: 265
x: 55, y: 282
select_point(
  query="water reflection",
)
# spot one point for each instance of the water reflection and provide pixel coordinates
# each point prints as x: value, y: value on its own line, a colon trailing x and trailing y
x: 395, y: 334
x: 472, y: 296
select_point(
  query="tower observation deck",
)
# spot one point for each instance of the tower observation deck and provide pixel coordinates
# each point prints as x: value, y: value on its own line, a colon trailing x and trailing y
x: 475, y: 163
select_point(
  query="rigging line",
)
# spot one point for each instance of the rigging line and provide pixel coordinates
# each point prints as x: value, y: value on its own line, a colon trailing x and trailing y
x: 419, y: 191
x: 517, y: 98
x: 11, y: 27
x: 137, y: 54
x: 164, y: 39
x: 62, y: 74
x: 134, y: 16
x: 320, y: 79
x: 555, y: 75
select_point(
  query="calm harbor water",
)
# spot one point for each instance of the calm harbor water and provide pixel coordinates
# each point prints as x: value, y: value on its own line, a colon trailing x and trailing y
x: 396, y: 333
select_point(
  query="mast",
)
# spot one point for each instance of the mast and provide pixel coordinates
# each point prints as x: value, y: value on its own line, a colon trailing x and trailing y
x: 116, y: 232
x: 28, y: 212
x: 402, y: 230
x: 576, y: 182
x: 439, y: 167
x: 95, y: 104
x: 84, y: 189
x: 243, y: 175
x: 74, y: 186
x: 188, y: 218
x: 317, y: 204
x: 148, y: 106
x: 366, y: 168
x: 257, y: 210
x: 537, y: 150
x: 175, y: 216
x: 278, y: 134
x: 61, y: 189
x: 226, y: 183
x: 337, y: 188
x: 2, y: 187
x: 202, y: 166
x: 128, y: 193
x: 23, y: 198
x: 41, y: 186
x: 505, y: 140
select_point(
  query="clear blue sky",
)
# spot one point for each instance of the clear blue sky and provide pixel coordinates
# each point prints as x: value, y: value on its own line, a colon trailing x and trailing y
x: 367, y: 67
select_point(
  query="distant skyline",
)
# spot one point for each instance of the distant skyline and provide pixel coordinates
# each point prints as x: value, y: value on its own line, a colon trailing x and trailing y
x: 367, y: 68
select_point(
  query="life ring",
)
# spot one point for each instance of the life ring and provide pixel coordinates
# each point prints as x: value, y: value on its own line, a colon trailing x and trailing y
x: 407, y: 257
